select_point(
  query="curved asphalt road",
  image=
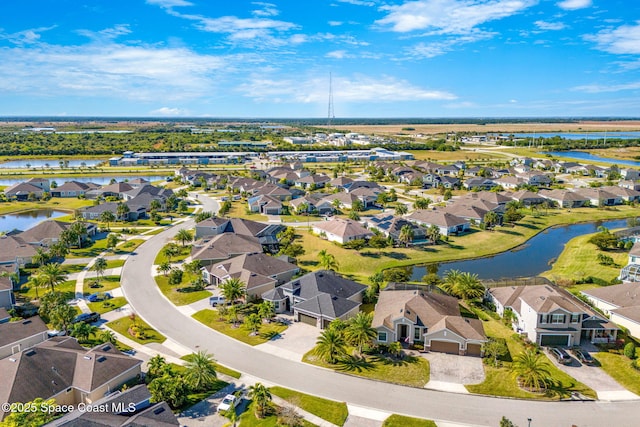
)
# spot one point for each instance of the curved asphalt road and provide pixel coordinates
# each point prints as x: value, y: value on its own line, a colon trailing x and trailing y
x: 142, y: 293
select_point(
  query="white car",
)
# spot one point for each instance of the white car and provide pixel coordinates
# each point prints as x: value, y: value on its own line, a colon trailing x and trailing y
x: 229, y: 402
x: 215, y: 301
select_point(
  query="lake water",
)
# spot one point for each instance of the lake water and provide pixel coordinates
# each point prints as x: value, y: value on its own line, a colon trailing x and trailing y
x: 582, y: 155
x: 577, y: 136
x: 52, y: 163
x: 100, y: 180
x: 25, y: 220
x: 527, y: 260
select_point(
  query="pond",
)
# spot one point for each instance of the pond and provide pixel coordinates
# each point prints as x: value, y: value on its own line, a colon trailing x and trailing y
x: 27, y: 219
x: 527, y: 260
x: 100, y: 180
x: 49, y: 163
x: 582, y: 155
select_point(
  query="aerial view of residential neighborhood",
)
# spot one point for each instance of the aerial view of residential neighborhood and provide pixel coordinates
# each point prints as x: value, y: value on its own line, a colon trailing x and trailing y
x: 360, y: 213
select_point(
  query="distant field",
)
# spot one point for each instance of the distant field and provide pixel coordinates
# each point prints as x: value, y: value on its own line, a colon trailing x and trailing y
x: 433, y: 129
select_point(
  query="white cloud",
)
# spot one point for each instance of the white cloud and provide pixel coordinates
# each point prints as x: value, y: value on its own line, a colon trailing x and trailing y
x: 358, y: 88
x: 574, y: 4
x: 107, y: 33
x: 267, y: 9
x: 358, y: 2
x: 449, y: 16
x: 335, y: 23
x: 110, y: 69
x: 622, y: 40
x: 338, y: 54
x: 607, y: 88
x: 167, y: 4
x: 168, y: 111
x: 29, y: 36
x: 550, y: 26
x: 433, y: 49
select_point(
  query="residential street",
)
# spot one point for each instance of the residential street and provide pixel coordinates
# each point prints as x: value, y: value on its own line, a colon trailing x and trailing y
x: 142, y: 293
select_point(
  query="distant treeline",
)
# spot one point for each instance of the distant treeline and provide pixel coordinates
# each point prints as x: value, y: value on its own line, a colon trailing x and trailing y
x: 557, y: 143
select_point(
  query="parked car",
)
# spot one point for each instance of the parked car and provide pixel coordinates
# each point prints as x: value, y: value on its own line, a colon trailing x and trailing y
x: 561, y: 355
x: 215, y: 301
x: 87, y: 317
x: 229, y: 402
x: 583, y: 356
x: 99, y: 296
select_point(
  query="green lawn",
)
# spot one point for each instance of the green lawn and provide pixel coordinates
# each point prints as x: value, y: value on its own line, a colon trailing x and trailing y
x: 410, y: 371
x: 239, y: 210
x: 211, y: 319
x: 106, y: 283
x: 180, y: 298
x: 72, y: 268
x: 91, y: 251
x: 249, y: 419
x: 219, y: 368
x: 618, y: 366
x: 500, y: 382
x: 329, y: 410
x: 115, y: 263
x: 68, y: 288
x: 361, y: 264
x: 579, y: 260
x: 129, y: 246
x: 184, y: 252
x: 154, y: 232
x: 402, y: 421
x: 108, y: 305
x: 122, y: 326
x: 69, y: 204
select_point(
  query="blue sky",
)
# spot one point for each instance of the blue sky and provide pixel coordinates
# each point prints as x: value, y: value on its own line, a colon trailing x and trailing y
x: 387, y: 58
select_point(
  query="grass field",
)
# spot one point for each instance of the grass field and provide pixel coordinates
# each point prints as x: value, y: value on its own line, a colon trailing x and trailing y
x: 106, y: 283
x: 129, y: 246
x: 68, y: 288
x: 329, y: 410
x: 122, y: 326
x: 219, y: 368
x: 402, y: 421
x: 249, y: 419
x: 267, y: 331
x: 618, y: 366
x: 359, y: 265
x: 91, y: 251
x: 108, y: 305
x: 59, y: 204
x: 180, y: 298
x: 184, y: 252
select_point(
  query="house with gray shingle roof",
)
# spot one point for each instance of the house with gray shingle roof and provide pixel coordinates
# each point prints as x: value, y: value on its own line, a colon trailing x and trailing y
x: 318, y: 298
x: 412, y: 316
x: 7, y: 299
x: 17, y: 336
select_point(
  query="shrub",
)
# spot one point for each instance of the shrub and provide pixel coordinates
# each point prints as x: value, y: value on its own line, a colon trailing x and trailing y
x: 605, y: 259
x: 630, y: 350
x: 175, y: 276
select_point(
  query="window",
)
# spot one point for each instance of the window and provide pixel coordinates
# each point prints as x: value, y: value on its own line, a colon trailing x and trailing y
x: 543, y: 318
x: 417, y: 334
x: 382, y: 336
x: 276, y: 305
x: 575, y: 318
x: 558, y: 318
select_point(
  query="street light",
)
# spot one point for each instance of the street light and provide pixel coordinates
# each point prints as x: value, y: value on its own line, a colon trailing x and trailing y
x: 529, y: 420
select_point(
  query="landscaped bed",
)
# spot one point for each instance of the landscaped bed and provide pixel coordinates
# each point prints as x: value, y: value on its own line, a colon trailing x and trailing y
x: 211, y: 318
x: 124, y: 327
x: 105, y: 284
x: 107, y: 305
x: 219, y: 368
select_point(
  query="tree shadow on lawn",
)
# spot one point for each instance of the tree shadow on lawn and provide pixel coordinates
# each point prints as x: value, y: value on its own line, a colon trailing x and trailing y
x: 395, y: 361
x: 557, y: 388
x: 189, y: 289
x: 271, y: 335
x: 375, y: 255
x: 308, y: 263
x: 532, y: 226
x: 396, y: 255
x: 510, y: 232
x: 354, y: 364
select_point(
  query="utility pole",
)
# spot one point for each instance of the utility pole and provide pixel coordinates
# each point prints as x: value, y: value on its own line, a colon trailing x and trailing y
x: 330, y: 112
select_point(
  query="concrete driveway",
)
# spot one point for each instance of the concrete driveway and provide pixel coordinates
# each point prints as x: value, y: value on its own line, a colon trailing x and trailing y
x: 294, y: 342
x: 606, y: 387
x: 450, y: 372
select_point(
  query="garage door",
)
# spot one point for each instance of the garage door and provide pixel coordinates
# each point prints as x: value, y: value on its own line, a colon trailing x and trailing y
x: 552, y: 340
x: 474, y: 349
x: 445, y: 347
x: 309, y: 320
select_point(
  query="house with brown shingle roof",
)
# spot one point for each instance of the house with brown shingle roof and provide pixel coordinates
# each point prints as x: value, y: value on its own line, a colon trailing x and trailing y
x: 550, y: 316
x: 224, y: 246
x: 448, y: 223
x: 17, y: 336
x: 620, y: 302
x: 62, y: 369
x: 412, y: 316
x: 341, y: 230
x: 14, y: 250
x: 7, y: 300
x: 71, y: 189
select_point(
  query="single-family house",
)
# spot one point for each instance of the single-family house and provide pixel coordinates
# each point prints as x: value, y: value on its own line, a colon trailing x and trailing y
x: 48, y: 232
x: 341, y: 182
x: 266, y: 205
x: 630, y: 184
x: 212, y: 249
x: 94, y: 212
x: 7, y: 299
x: 626, y: 194
x: 23, y: 191
x: 528, y: 198
x: 15, y: 251
x: 448, y: 223
x: 620, y: 302
x: 414, y: 316
x: 599, y: 197
x: 312, y: 181
x: 71, y: 189
x: 341, y: 230
x: 565, y: 198
x: 550, y: 316
x: 391, y: 225
x: 479, y: 183
x: 20, y: 335
x: 318, y: 298
x: 535, y: 178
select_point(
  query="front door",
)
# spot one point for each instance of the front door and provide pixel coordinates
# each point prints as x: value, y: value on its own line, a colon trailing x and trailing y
x: 403, y: 332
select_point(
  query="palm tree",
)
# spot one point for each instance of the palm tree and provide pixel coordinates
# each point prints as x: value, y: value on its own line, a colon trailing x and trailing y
x: 252, y: 322
x: 58, y: 249
x: 82, y: 331
x: 359, y: 331
x: 406, y: 235
x: 422, y: 203
x: 78, y: 230
x: 330, y: 345
x: 107, y: 336
x: 336, y: 203
x: 401, y: 209
x: 451, y: 279
x: 193, y: 267
x: 170, y: 251
x: 40, y: 258
x: 266, y: 310
x: 433, y: 233
x: 395, y: 349
x: 327, y: 260
x: 491, y: 219
x: 261, y: 396
x: 164, y: 268
x: 184, y: 236
x: 201, y: 370
x: 156, y: 366
x: 122, y: 210
x: 35, y: 282
x: 469, y: 287
x: 51, y: 275
x: 99, y: 266
x: 531, y: 369
x: 232, y: 312
x: 107, y: 217
x: 233, y: 289
x: 353, y: 215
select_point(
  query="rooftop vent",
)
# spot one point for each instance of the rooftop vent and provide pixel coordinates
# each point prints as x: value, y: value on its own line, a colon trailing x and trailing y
x: 30, y: 353
x: 101, y: 359
x: 158, y: 411
x: 87, y: 357
x: 106, y: 348
x: 11, y: 359
x: 26, y: 322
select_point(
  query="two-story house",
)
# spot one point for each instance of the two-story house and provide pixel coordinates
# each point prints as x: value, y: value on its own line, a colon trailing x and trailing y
x: 550, y: 316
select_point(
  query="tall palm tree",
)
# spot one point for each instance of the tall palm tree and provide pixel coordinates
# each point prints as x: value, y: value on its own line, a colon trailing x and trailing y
x: 201, y: 370
x: 401, y: 209
x: 107, y: 217
x: 78, y: 230
x: 422, y: 203
x: 359, y: 331
x: 266, y: 310
x: 233, y: 289
x: 41, y: 257
x: 35, y: 282
x: 433, y: 233
x: 252, y: 322
x: 451, y: 279
x: 82, y: 331
x: 51, y: 275
x: 122, y: 210
x: 184, y: 236
x: 107, y: 336
x: 170, y: 251
x: 406, y: 235
x: 99, y: 266
x: 469, y: 287
x: 491, y: 219
x: 232, y: 313
x: 164, y: 268
x: 330, y: 345
x: 531, y: 369
x: 327, y: 260
x: 261, y: 396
